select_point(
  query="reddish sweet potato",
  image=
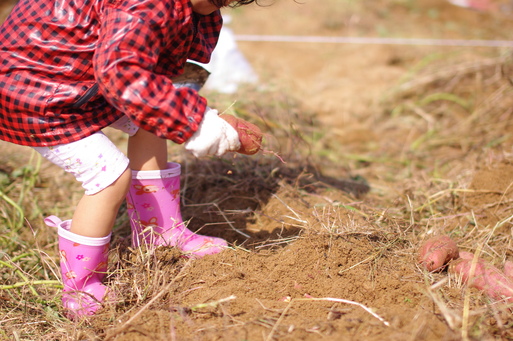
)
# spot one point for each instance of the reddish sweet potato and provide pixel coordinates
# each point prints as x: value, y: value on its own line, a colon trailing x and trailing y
x: 250, y: 136
x: 466, y: 255
x: 436, y: 252
x: 508, y: 269
x: 486, y: 277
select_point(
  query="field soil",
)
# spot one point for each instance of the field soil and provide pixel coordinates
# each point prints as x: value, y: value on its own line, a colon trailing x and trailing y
x: 370, y: 149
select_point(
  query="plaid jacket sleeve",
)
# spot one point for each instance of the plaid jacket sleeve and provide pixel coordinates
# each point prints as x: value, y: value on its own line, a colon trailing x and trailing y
x: 142, y: 44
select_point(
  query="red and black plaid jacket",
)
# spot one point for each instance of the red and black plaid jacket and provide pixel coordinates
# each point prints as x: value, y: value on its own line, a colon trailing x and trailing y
x: 69, y: 68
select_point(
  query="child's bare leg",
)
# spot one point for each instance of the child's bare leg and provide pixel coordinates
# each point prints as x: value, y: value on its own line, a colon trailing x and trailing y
x: 103, y: 171
x: 147, y: 151
x: 95, y: 214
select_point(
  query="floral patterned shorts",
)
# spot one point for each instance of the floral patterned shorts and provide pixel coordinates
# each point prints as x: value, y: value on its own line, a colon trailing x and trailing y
x: 94, y: 161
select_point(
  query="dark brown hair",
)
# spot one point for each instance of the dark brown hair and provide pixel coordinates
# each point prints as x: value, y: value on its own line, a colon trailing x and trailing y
x: 237, y: 3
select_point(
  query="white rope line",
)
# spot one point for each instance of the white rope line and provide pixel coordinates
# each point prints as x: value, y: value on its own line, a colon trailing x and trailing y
x: 374, y: 41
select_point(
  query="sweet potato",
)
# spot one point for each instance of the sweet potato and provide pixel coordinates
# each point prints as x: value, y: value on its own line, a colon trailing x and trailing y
x: 486, y: 277
x: 436, y: 252
x: 466, y: 255
x: 250, y: 136
x: 508, y: 269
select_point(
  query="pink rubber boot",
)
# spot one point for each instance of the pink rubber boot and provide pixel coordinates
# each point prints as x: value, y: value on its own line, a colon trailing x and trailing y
x: 83, y: 266
x: 153, y: 203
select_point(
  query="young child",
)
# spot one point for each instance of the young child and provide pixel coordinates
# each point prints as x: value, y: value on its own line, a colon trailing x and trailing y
x: 73, y: 67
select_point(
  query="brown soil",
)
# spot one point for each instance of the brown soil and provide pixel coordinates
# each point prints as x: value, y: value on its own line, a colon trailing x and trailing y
x: 317, y: 242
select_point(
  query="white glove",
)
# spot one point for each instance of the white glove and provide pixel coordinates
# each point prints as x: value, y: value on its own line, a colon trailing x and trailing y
x: 214, y: 136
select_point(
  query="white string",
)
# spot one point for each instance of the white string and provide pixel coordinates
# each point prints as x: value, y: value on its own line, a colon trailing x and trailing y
x: 373, y: 41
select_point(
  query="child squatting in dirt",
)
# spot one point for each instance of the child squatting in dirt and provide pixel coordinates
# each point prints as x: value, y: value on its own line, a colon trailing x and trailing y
x: 70, y: 68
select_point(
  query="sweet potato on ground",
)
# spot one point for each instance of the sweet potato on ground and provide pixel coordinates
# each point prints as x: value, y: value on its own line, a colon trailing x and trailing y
x: 436, y: 252
x: 250, y: 136
x: 486, y: 277
x: 508, y: 269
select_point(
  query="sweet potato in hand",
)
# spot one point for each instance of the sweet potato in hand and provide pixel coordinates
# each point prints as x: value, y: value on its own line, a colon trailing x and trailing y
x: 486, y: 277
x: 250, y: 136
x: 436, y: 252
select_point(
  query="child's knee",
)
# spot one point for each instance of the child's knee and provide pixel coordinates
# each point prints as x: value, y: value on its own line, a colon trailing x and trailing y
x: 118, y: 189
x: 124, y: 181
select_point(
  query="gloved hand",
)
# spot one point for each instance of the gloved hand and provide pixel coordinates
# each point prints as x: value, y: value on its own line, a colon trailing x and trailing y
x: 214, y: 136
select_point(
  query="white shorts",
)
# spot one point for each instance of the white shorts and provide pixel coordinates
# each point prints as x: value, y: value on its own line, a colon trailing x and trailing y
x: 94, y: 161
x: 126, y: 125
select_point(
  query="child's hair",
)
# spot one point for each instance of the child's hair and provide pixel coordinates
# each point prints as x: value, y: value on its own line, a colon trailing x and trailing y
x: 237, y: 3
